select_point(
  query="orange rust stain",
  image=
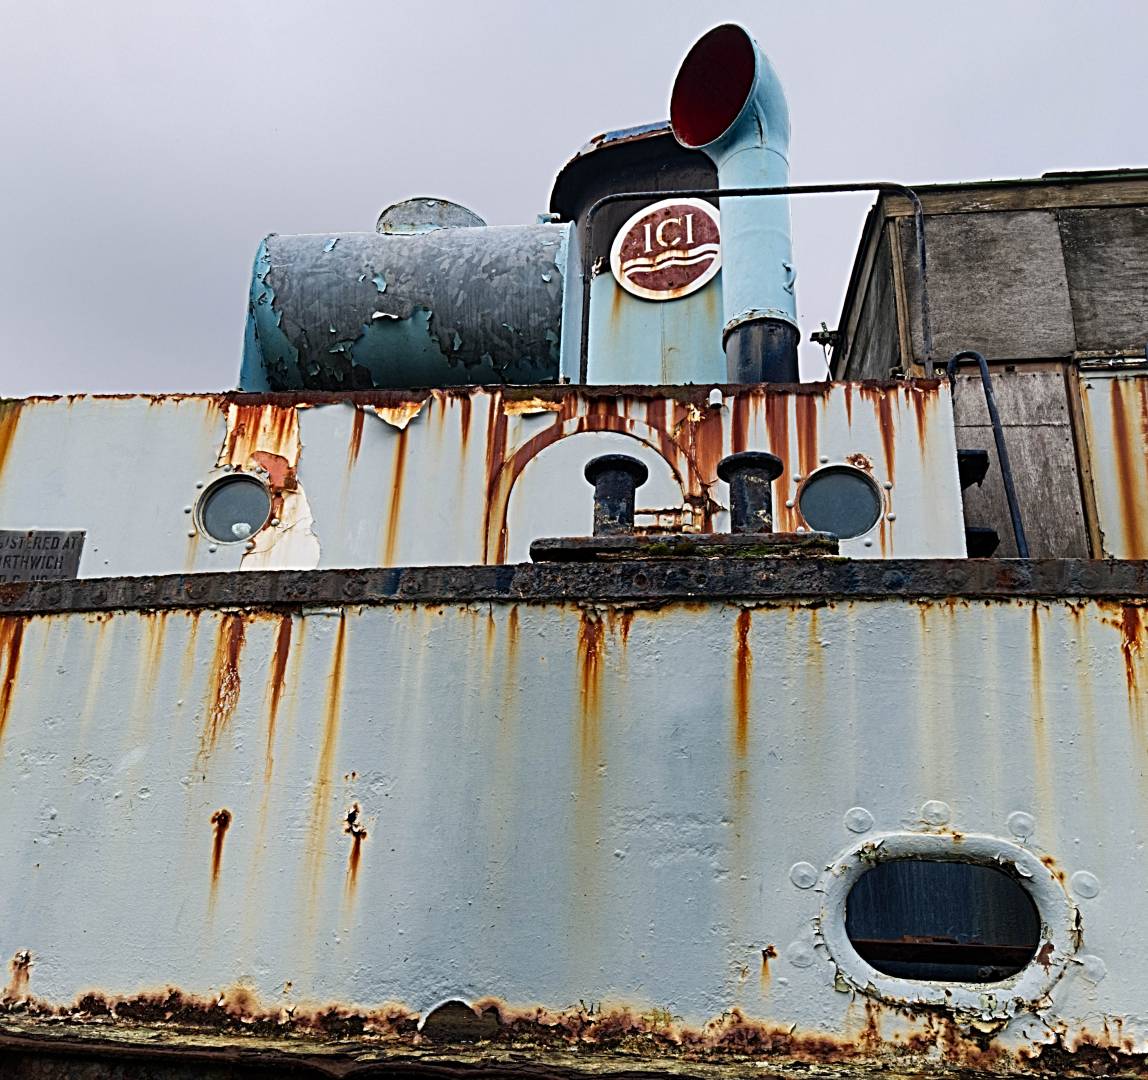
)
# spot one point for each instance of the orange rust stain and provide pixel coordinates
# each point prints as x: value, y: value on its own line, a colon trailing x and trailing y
x: 356, y: 443
x: 280, y: 471
x: 707, y: 433
x: 777, y: 426
x: 626, y: 621
x: 396, y: 503
x: 767, y: 954
x: 271, y: 428
x: 1132, y: 638
x: 883, y: 401
x: 739, y: 424
x: 742, y: 670
x: 494, y: 548
x: 9, y: 418
x: 151, y: 656
x: 354, y: 828
x: 20, y: 970
x: 276, y: 671
x: 659, y: 421
x: 320, y: 803
x: 464, y: 407
x: 224, y: 684
x: 860, y: 461
x: 805, y: 410
x: 590, y: 654
x: 1128, y: 450
x: 1040, y: 729
x: 919, y: 402
x: 220, y: 822
x: 11, y: 638
x: 847, y: 389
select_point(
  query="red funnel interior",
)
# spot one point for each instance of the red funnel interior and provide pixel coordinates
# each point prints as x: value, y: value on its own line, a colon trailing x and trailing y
x: 712, y: 85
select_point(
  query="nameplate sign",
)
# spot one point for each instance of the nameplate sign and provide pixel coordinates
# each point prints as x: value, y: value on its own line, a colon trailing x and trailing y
x: 39, y: 554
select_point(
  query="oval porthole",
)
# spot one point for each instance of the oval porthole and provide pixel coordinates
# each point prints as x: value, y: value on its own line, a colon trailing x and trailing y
x: 942, y: 921
x: 840, y: 500
x: 234, y: 509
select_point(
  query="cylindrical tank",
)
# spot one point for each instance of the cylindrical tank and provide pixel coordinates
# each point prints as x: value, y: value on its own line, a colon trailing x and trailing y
x: 445, y: 307
x: 727, y: 101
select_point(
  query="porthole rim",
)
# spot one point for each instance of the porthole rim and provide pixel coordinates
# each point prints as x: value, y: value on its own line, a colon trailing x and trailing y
x: 1055, y: 908
x: 842, y: 467
x: 236, y: 476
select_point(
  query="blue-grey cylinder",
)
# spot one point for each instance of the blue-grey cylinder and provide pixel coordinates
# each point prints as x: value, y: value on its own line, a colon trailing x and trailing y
x: 450, y: 307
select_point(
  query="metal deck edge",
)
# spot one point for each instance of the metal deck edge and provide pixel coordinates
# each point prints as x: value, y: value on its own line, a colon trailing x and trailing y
x: 641, y: 581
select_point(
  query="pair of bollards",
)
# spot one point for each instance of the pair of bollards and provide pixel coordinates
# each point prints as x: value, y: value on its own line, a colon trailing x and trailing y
x: 750, y: 475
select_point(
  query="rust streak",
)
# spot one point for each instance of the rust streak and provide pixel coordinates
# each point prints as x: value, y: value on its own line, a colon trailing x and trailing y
x: 777, y: 426
x: 742, y: 670
x: 9, y: 418
x: 1128, y: 452
x: 1132, y: 637
x: 919, y: 402
x: 847, y: 389
x: 396, y: 500
x: 464, y: 407
x: 220, y: 822
x: 320, y: 803
x: 356, y: 443
x: 20, y: 969
x: 590, y: 650
x: 224, y: 683
x: 767, y: 954
x: 11, y: 638
x: 497, y: 490
x: 739, y: 424
x: 882, y: 400
x: 805, y: 413
x: 354, y: 828
x: 276, y: 671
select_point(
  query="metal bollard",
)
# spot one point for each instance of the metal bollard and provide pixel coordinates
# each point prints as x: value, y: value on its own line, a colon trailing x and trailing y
x: 750, y: 476
x: 615, y: 478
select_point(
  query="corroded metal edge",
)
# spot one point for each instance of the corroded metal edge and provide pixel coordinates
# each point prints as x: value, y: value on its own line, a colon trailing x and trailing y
x: 635, y: 581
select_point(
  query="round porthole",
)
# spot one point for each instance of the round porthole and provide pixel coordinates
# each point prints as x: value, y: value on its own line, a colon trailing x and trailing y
x: 840, y: 500
x: 234, y: 509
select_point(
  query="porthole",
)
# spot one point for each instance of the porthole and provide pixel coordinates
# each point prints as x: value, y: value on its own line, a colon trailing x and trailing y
x: 840, y: 500
x: 234, y: 509
x: 940, y: 921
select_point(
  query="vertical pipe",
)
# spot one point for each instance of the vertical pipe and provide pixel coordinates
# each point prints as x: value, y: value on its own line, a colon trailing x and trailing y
x: 750, y: 476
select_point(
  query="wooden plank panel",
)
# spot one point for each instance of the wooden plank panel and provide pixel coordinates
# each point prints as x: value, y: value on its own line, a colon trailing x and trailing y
x: 1106, y: 259
x: 997, y: 284
x: 874, y: 350
x: 1023, y: 195
x: 1036, y: 415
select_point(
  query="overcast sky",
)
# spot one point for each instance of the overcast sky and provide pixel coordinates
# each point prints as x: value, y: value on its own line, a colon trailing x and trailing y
x: 148, y: 147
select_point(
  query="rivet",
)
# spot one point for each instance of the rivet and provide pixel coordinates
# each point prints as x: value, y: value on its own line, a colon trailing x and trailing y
x: 190, y: 533
x: 890, y: 516
x: 199, y: 485
x: 187, y: 509
x: 868, y: 543
x: 797, y: 478
x: 801, y: 528
x: 858, y: 819
x: 888, y: 485
x: 1084, y: 884
x: 212, y: 548
x: 823, y: 459
x: 1021, y: 824
x: 274, y: 521
x: 800, y: 954
x: 1093, y: 968
x: 803, y: 875
x: 935, y: 812
x: 789, y: 504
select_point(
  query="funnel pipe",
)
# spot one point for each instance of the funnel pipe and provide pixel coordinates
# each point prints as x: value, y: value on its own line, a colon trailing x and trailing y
x: 727, y: 102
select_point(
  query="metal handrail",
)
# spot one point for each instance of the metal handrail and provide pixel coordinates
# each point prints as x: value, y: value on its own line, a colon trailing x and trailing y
x: 740, y: 192
x: 998, y: 437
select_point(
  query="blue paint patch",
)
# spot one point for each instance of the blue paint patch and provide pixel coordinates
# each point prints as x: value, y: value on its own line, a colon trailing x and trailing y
x: 268, y: 355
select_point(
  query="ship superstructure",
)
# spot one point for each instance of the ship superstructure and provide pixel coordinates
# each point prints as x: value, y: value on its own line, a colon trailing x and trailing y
x: 522, y: 671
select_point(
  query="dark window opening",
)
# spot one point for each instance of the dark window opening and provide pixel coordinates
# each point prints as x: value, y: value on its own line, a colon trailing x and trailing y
x: 234, y: 509
x: 841, y: 500
x: 942, y: 921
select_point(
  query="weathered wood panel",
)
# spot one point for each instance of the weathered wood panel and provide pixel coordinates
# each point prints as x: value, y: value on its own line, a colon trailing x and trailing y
x: 997, y: 284
x: 874, y: 349
x: 1106, y: 259
x: 991, y: 197
x: 1035, y: 412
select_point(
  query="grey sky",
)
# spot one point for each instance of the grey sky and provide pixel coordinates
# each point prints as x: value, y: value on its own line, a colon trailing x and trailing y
x: 149, y: 146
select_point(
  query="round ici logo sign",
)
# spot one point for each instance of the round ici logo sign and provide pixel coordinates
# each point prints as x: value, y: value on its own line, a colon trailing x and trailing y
x: 668, y: 249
